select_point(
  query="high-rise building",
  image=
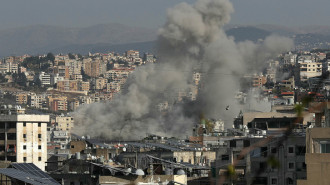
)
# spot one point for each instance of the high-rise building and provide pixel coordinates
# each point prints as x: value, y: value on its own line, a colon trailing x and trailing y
x: 23, y: 137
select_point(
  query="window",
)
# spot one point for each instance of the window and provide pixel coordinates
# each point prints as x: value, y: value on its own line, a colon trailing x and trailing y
x: 232, y: 143
x: 24, y: 124
x: 291, y: 165
x: 24, y: 147
x: 289, y: 181
x: 290, y: 149
x: 39, y: 136
x: 274, y: 150
x: 224, y: 157
x: 24, y: 159
x: 264, y: 151
x: 39, y: 124
x: 24, y: 136
x: 274, y: 181
x: 325, y: 147
x: 300, y: 150
x: 39, y: 147
x: 262, y: 165
x: 72, y: 146
x: 39, y: 158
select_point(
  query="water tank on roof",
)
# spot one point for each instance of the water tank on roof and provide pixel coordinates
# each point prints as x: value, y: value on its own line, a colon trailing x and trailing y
x: 77, y: 155
x: 139, y: 172
x: 180, y: 172
x: 168, y: 171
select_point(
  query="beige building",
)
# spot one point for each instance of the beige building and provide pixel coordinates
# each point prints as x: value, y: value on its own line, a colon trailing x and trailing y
x: 100, y: 83
x: 24, y: 138
x: 310, y: 69
x: 58, y: 103
x: 21, y: 98
x: 317, y: 157
x: 64, y: 123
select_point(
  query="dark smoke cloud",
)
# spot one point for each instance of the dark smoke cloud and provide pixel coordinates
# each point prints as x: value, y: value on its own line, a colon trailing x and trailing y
x: 191, y: 40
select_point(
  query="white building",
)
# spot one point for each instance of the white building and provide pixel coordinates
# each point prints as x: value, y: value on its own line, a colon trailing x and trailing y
x: 45, y: 78
x: 23, y: 137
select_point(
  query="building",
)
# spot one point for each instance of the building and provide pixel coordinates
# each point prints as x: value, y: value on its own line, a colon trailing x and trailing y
x: 100, y: 83
x: 21, y: 98
x: 23, y: 137
x: 132, y: 54
x: 59, y: 103
x: 64, y: 123
x: 38, y: 101
x: 254, y: 166
x: 317, y: 155
x: 62, y: 71
x: 259, y: 80
x: 310, y: 69
x: 45, y: 78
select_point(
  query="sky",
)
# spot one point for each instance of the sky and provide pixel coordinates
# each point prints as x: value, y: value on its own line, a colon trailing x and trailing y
x: 152, y: 13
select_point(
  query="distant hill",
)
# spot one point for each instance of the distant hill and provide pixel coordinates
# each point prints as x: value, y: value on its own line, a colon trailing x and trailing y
x: 40, y: 39
x: 247, y: 33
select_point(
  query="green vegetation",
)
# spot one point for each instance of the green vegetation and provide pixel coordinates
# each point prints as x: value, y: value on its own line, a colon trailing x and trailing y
x: 37, y: 63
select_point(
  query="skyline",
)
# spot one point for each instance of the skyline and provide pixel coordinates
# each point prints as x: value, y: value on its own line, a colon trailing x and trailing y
x: 152, y: 13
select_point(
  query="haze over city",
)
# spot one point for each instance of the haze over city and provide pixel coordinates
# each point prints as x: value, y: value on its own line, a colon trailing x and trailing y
x: 165, y: 92
x: 152, y: 13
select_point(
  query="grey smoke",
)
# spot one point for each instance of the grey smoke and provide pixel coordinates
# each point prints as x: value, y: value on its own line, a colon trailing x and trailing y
x: 191, y: 40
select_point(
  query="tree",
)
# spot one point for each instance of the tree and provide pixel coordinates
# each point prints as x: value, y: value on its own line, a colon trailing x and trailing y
x: 37, y: 82
x: 21, y: 79
x: 71, y: 56
x: 50, y: 57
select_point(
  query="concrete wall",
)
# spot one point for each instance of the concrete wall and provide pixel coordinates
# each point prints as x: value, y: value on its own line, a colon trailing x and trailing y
x: 318, y: 164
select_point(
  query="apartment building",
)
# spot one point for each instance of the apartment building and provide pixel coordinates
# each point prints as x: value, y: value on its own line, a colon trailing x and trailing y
x: 132, y: 54
x: 23, y: 137
x: 64, y: 122
x: 310, y: 69
x: 21, y: 98
x: 57, y: 103
x: 45, y: 78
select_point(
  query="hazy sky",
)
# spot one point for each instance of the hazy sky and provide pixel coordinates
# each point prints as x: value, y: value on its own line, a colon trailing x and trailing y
x: 151, y: 13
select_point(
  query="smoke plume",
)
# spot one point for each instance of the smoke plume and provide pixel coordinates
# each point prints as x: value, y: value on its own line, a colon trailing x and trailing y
x: 191, y: 40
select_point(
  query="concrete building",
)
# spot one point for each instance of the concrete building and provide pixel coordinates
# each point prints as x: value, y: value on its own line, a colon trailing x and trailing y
x: 23, y: 138
x: 310, y: 69
x: 317, y: 155
x: 38, y: 101
x: 100, y: 83
x: 62, y: 71
x: 64, y: 123
x: 59, y: 103
x: 132, y: 54
x: 45, y: 78
x: 21, y: 98
x: 259, y: 80
x: 254, y: 167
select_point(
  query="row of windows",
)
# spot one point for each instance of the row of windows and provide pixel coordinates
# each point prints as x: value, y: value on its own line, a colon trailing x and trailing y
x: 24, y: 159
x: 264, y: 151
x: 24, y: 147
x: 24, y: 124
x: 39, y: 136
